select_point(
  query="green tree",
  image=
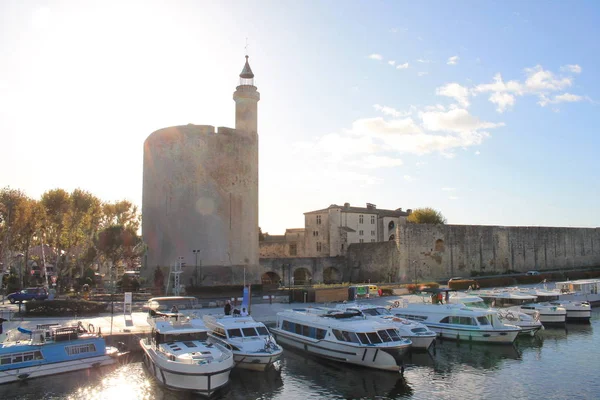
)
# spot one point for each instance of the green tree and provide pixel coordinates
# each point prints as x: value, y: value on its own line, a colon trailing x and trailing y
x: 121, y: 212
x: 118, y: 244
x: 57, y: 203
x: 426, y: 215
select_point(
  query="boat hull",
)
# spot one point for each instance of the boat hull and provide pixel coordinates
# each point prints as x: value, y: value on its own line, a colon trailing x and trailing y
x: 422, y: 342
x: 475, y: 335
x: 255, y: 362
x: 204, y: 380
x: 37, y: 371
x: 388, y: 359
x: 579, y: 315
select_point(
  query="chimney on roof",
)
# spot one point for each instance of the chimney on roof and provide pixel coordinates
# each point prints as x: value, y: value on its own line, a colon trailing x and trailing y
x: 346, y: 205
x: 399, y: 209
x: 371, y: 206
x: 408, y: 210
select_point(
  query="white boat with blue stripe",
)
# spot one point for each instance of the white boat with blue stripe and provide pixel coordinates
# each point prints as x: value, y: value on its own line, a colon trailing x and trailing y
x: 51, y: 349
x: 343, y: 336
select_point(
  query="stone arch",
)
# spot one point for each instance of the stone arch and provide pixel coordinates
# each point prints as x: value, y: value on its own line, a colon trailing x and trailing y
x: 392, y: 237
x: 302, y: 276
x: 391, y: 225
x: 332, y: 275
x: 439, y: 245
x: 270, y: 278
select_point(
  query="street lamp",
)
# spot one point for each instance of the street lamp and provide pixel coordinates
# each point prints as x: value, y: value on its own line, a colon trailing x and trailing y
x: 196, y: 254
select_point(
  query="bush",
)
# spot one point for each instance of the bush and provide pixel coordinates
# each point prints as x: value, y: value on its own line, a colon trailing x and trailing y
x: 462, y: 284
x: 64, y: 308
x: 387, y: 291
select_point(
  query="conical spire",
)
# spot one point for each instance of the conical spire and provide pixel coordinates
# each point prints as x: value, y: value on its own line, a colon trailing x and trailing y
x: 247, y: 71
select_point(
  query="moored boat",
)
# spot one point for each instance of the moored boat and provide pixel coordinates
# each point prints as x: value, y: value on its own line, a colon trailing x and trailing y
x: 252, y: 345
x: 52, y: 349
x: 347, y: 337
x: 419, y: 334
x: 577, y: 311
x: 178, y: 355
x: 548, y: 314
x: 458, y: 322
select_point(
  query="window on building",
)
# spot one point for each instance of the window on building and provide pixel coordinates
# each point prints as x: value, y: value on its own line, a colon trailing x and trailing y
x: 360, y: 233
x: 361, y: 240
x: 293, y: 249
x: 372, y: 240
x: 372, y: 219
x: 315, y: 233
x: 342, y: 246
x: 318, y: 246
x: 372, y: 233
x: 361, y: 219
x: 318, y: 220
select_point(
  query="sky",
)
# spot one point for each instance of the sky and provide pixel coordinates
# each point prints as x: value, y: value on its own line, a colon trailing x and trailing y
x: 483, y: 110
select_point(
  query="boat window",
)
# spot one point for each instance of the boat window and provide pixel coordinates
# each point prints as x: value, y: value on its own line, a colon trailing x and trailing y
x: 285, y: 325
x: 445, y: 320
x: 233, y: 333
x: 394, y: 334
x: 385, y: 336
x: 249, y: 332
x: 5, y: 360
x: 419, y: 330
x: 305, y: 330
x: 263, y: 331
x: 455, y: 319
x: 321, y: 333
x: 220, y: 332
x: 79, y: 349
x: 374, y: 337
x: 298, y: 329
x: 383, y: 311
x: 338, y: 335
x: 17, y: 358
x: 370, y: 311
x: 483, y: 321
x: 350, y: 337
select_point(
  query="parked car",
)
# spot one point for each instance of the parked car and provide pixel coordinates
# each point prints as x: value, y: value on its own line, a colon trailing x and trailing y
x: 29, y: 294
x: 532, y: 273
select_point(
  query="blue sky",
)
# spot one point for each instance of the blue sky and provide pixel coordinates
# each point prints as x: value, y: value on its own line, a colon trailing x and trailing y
x: 482, y: 110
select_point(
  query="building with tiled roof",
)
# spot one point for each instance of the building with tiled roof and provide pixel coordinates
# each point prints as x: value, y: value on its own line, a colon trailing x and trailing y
x: 329, y: 231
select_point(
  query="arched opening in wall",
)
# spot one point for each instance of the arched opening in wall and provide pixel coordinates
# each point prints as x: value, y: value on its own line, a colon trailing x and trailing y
x: 332, y: 275
x: 392, y: 237
x: 270, y: 278
x: 391, y: 225
x: 439, y: 245
x: 302, y: 277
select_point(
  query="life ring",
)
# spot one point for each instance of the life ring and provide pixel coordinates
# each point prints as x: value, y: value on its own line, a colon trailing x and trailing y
x: 91, y: 328
x: 396, y: 304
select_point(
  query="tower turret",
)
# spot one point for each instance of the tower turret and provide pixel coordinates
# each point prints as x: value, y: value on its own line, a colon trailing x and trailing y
x: 246, y: 99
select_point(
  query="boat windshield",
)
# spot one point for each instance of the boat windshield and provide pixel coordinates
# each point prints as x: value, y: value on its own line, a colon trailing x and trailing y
x: 184, y: 337
x: 476, y: 304
x: 376, y: 311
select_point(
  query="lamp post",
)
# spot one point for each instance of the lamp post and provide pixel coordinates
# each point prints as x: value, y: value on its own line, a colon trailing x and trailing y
x: 414, y: 262
x: 196, y: 254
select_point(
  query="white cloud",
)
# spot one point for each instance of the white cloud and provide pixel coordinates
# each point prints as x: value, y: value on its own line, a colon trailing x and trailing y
x: 420, y: 163
x: 409, y: 178
x: 503, y: 100
x: 402, y: 66
x: 448, y: 189
x: 376, y: 57
x: 453, y: 60
x: 372, y: 161
x: 500, y: 86
x: 456, y: 91
x: 457, y: 120
x: 477, y: 152
x: 561, y: 98
x: 422, y: 73
x: 393, y: 112
x: 539, y: 80
x: 424, y: 61
x: 575, y: 68
x: 453, y: 197
x: 392, y: 62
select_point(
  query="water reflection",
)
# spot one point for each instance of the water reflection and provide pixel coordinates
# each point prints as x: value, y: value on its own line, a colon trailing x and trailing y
x: 253, y: 384
x: 335, y: 380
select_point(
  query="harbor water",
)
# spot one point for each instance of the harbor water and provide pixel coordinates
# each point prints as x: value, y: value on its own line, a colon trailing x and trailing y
x: 558, y: 363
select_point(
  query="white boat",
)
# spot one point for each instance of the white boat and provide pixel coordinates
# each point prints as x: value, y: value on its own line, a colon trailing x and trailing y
x: 580, y: 290
x: 252, y: 345
x: 178, y: 355
x: 343, y: 336
x: 458, y: 322
x: 529, y: 324
x: 548, y: 314
x: 420, y: 336
x: 576, y: 310
x: 52, y: 349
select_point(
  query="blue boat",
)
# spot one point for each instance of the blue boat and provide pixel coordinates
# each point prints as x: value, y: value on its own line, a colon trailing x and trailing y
x: 52, y: 349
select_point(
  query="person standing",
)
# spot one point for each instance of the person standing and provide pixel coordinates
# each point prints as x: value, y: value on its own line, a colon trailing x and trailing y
x: 227, y: 308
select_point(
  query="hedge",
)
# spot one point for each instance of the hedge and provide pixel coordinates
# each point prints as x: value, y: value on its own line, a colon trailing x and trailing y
x: 462, y: 284
x: 414, y: 287
x: 64, y: 308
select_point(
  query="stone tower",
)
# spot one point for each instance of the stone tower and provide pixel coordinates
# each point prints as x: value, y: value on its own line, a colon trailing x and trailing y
x: 200, y: 195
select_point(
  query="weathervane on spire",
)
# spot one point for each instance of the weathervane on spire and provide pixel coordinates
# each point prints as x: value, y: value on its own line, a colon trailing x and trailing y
x: 246, y: 47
